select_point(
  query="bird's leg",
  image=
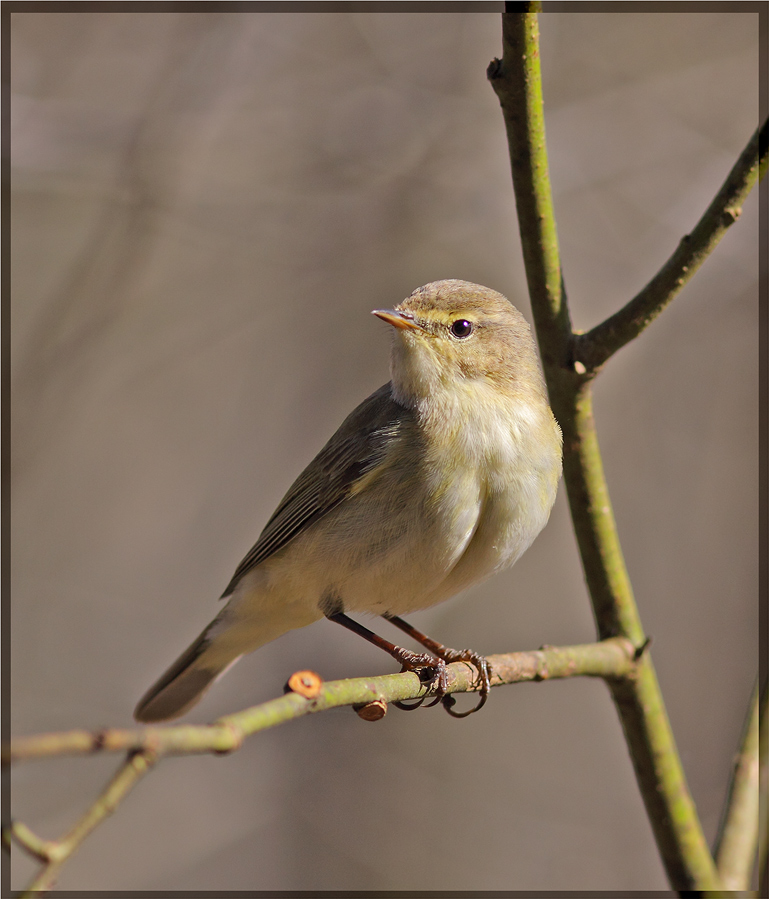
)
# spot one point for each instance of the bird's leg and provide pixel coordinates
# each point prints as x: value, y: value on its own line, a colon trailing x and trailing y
x: 450, y: 656
x: 408, y: 660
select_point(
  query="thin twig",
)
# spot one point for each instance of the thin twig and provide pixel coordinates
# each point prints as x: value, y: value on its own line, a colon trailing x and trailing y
x: 19, y: 833
x: 595, y: 347
x: 607, y: 659
x: 736, y: 844
x: 762, y: 841
x: 55, y: 853
x: 612, y: 660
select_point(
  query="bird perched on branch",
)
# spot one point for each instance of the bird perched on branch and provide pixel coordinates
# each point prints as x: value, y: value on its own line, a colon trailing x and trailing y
x: 439, y: 479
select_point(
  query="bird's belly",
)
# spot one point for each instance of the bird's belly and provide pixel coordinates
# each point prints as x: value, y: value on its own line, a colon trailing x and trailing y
x: 429, y: 539
x: 391, y: 563
x: 515, y: 500
x: 507, y: 526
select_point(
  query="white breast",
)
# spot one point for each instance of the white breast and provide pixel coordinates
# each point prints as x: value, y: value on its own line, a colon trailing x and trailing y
x: 516, y: 474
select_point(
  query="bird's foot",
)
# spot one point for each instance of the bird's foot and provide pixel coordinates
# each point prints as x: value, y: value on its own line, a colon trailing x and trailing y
x: 483, y: 682
x: 447, y: 655
x: 440, y: 679
x: 419, y: 663
x: 437, y: 660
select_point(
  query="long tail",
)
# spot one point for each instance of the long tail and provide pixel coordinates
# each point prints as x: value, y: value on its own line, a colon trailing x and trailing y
x: 182, y: 686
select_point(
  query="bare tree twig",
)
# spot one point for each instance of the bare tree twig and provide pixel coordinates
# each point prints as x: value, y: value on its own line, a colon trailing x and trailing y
x: 763, y: 795
x: 736, y: 844
x: 595, y: 347
x: 612, y: 659
x: 609, y: 659
x: 516, y: 81
x: 55, y: 853
x: 569, y: 362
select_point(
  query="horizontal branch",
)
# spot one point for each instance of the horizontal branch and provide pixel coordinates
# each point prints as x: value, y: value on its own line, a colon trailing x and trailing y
x: 595, y: 347
x: 613, y: 658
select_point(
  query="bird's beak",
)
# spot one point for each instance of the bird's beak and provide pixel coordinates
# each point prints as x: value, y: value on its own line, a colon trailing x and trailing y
x: 397, y: 319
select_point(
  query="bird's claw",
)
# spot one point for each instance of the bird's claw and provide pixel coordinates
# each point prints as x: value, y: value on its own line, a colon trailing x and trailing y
x: 441, y: 680
x: 439, y: 667
x: 483, y: 682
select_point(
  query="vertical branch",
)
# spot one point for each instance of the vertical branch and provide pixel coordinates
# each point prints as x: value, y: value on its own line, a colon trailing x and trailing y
x: 670, y: 808
x: 662, y: 783
x: 736, y: 845
x: 516, y: 80
x: 763, y: 796
x: 604, y: 566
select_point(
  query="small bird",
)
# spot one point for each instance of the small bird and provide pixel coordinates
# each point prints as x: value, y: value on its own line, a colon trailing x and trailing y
x: 439, y: 479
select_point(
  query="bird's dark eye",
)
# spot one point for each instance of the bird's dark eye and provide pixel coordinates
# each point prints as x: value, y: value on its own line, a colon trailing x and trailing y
x: 461, y: 328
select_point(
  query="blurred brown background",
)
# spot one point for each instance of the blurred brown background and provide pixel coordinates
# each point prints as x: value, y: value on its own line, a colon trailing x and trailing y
x: 205, y: 209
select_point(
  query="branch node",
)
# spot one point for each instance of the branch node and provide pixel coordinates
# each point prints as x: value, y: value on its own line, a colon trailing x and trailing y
x: 305, y: 683
x: 45, y: 851
x: 640, y: 651
x: 142, y: 759
x: 627, y: 323
x: 233, y: 740
x: 372, y: 711
x: 494, y: 69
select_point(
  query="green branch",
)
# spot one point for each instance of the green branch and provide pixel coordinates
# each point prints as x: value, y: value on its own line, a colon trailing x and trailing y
x: 604, y: 566
x: 53, y: 854
x: 736, y: 844
x: 612, y: 660
x: 595, y: 347
x: 569, y: 362
x: 516, y: 81
x: 763, y: 796
x: 607, y: 659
